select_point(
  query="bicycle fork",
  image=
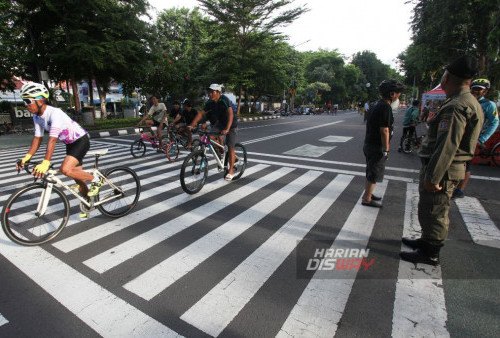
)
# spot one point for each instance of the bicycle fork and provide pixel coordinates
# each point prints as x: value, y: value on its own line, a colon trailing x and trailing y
x: 44, y: 200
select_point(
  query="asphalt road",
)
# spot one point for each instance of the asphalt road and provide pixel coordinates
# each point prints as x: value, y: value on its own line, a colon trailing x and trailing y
x: 232, y: 260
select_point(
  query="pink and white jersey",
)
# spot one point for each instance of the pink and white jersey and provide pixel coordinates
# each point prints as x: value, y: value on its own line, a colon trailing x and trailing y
x: 58, y: 124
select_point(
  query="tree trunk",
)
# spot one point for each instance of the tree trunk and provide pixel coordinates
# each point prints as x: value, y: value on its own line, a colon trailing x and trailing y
x: 76, y: 95
x: 102, y: 98
x: 91, y: 93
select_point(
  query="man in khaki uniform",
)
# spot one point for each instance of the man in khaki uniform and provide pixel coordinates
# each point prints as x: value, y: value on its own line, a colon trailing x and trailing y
x: 450, y: 142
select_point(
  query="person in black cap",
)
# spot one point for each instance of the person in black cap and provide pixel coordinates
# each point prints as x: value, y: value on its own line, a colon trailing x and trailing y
x: 450, y: 142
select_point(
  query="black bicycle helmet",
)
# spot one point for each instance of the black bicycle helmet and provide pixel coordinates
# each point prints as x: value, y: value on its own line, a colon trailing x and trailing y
x: 390, y: 85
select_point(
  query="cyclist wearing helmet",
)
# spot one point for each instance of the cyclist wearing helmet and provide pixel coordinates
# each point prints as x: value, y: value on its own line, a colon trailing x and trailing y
x: 59, y: 126
x: 479, y: 88
x: 378, y: 135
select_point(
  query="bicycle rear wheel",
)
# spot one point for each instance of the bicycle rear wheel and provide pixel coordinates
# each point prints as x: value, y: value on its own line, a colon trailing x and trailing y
x: 495, y: 154
x: 172, y: 151
x: 138, y: 148
x: 240, y: 163
x: 407, y: 145
x: 24, y: 226
x: 126, y: 180
x: 194, y: 172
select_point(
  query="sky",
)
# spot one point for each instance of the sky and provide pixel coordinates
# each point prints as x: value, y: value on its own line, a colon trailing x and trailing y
x: 350, y: 26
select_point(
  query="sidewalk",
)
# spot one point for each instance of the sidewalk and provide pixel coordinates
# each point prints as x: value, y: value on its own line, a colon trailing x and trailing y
x: 15, y: 140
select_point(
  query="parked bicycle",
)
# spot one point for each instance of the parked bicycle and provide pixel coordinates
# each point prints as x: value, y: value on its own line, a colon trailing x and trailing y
x: 411, y: 142
x: 173, y: 150
x: 493, y: 152
x: 138, y: 147
x: 38, y: 212
x: 194, y: 170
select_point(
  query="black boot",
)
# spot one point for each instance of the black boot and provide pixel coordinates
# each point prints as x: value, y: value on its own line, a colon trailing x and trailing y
x: 412, y: 243
x: 426, y: 254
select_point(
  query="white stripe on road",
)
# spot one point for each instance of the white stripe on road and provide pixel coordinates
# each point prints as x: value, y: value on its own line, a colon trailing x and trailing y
x: 94, y: 234
x: 100, y: 309
x: 3, y: 321
x: 127, y: 250
x: 320, y: 307
x: 218, y: 308
x: 270, y: 137
x: 419, y: 305
x: 480, y: 226
x: 331, y: 170
x: 158, y: 278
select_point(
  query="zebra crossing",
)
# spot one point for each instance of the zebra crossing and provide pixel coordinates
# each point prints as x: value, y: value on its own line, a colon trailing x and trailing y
x: 136, y: 276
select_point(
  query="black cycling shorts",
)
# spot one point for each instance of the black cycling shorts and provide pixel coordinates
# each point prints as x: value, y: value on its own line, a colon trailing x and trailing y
x: 79, y: 148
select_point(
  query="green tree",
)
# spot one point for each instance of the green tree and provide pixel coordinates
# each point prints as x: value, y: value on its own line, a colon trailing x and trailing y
x: 242, y: 28
x: 373, y: 72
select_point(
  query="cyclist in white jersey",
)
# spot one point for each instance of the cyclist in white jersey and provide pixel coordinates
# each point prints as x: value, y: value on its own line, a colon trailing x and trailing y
x: 59, y: 126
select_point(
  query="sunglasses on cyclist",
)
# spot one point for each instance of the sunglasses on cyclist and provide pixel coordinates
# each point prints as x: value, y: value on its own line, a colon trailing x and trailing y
x: 28, y: 101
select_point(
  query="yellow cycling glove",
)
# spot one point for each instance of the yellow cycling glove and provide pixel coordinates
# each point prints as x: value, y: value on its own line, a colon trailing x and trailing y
x: 26, y: 158
x: 42, y: 167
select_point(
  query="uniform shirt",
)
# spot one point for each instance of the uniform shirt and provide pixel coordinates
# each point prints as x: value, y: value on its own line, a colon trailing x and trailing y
x: 380, y: 117
x: 452, y: 135
x: 157, y: 112
x: 411, y: 117
x: 217, y: 112
x: 490, y: 119
x: 58, y: 124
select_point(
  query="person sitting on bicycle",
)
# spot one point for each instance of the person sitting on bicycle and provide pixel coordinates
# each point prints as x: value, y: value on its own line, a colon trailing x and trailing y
x: 479, y: 88
x: 218, y: 109
x: 183, y: 120
x: 409, y: 123
x: 155, y: 117
x: 61, y: 127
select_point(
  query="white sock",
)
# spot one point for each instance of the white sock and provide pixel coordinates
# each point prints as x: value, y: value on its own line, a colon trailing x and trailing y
x: 96, y: 179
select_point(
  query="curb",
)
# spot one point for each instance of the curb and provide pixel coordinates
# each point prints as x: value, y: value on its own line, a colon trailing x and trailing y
x: 129, y: 131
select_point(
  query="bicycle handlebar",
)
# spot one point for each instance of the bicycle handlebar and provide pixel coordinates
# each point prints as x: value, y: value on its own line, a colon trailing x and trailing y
x: 28, y: 166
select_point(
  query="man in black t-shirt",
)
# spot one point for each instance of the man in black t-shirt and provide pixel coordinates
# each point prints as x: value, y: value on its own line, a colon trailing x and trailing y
x: 379, y: 128
x: 184, y: 119
x: 222, y: 119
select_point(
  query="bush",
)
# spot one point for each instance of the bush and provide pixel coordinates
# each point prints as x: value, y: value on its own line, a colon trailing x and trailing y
x: 113, y: 124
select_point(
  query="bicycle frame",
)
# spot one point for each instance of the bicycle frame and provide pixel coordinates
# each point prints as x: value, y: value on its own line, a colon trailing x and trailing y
x: 52, y: 179
x: 209, y: 145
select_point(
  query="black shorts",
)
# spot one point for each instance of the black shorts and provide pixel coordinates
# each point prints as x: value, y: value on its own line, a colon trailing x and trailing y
x: 375, y: 163
x: 79, y: 148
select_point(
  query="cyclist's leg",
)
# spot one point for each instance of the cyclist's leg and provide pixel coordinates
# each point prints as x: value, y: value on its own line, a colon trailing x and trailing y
x: 72, y: 164
x: 149, y: 124
x: 231, y: 142
x: 405, y: 132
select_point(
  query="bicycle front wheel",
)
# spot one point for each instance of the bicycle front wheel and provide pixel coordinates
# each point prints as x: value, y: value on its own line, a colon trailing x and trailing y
x: 194, y: 172
x: 24, y: 225
x: 240, y: 162
x: 495, y: 155
x: 172, y: 151
x: 124, y: 196
x: 138, y: 148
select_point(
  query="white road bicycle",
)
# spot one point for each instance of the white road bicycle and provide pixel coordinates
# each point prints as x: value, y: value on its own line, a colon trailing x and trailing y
x: 38, y: 212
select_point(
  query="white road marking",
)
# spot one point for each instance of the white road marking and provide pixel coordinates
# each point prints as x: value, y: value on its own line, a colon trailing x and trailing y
x: 334, y: 139
x: 309, y: 150
x: 101, y: 310
x: 127, y: 250
x: 217, y: 308
x: 3, y: 321
x: 480, y: 226
x: 419, y: 305
x: 94, y: 234
x: 320, y: 307
x: 161, y: 276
